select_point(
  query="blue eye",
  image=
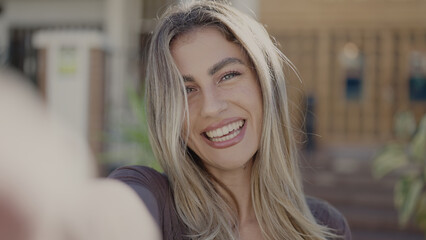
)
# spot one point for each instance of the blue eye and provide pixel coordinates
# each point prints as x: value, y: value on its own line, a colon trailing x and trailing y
x: 230, y: 75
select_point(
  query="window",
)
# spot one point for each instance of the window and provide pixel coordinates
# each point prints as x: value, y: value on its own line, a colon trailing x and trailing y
x: 417, y: 77
x: 352, y: 62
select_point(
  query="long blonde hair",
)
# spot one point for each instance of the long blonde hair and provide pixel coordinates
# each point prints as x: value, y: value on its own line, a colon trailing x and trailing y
x: 277, y: 195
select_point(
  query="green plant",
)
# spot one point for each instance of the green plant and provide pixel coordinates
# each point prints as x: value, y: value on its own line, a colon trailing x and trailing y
x: 406, y: 156
x: 132, y: 137
x: 139, y: 132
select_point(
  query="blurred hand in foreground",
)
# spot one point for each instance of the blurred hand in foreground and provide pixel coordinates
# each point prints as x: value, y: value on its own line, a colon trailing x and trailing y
x: 48, y: 185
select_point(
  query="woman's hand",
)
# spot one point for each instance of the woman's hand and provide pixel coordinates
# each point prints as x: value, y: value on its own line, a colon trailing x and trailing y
x: 48, y: 187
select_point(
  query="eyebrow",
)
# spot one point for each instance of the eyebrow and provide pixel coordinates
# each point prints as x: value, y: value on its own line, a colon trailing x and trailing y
x: 223, y: 63
x: 216, y: 67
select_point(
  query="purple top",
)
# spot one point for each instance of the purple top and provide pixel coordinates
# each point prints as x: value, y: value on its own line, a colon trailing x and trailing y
x: 154, y: 190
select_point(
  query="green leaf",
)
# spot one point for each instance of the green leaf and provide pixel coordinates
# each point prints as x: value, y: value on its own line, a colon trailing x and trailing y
x: 418, y: 145
x: 139, y: 132
x: 405, y: 125
x: 407, y: 192
x: 421, y: 212
x: 391, y: 157
x: 424, y: 173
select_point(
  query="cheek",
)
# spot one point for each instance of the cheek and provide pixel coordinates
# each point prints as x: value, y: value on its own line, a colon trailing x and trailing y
x: 190, y: 119
x: 193, y: 110
x: 253, y: 96
x: 194, y: 144
x: 255, y: 101
x: 189, y: 133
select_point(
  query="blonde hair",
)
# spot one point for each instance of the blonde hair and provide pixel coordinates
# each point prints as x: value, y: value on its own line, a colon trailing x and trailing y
x: 277, y: 195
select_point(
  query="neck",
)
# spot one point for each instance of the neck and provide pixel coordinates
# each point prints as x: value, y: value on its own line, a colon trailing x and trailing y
x: 238, y: 182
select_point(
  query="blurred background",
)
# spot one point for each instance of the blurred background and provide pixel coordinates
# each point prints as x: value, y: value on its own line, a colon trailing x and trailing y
x: 361, y: 63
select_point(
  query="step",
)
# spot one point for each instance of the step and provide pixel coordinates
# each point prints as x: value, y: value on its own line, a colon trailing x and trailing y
x: 362, y: 234
x: 330, y: 179
x: 347, y: 197
x: 373, y: 219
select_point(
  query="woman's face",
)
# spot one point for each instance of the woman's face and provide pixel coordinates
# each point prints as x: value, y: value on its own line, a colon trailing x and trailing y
x: 224, y: 97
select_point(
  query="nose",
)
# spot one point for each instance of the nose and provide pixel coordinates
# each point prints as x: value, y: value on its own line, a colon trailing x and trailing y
x: 213, y: 103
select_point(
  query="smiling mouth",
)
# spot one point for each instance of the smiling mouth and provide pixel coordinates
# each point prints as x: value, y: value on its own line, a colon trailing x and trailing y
x: 225, y: 133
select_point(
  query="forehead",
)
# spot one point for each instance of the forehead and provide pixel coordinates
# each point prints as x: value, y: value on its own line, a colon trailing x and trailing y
x: 204, y: 45
x: 191, y: 35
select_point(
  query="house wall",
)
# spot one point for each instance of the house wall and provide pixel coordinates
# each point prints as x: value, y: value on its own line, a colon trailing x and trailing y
x: 41, y: 12
x: 313, y: 35
x: 30, y: 13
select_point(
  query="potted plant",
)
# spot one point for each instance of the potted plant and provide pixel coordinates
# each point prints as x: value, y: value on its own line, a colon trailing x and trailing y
x: 406, y: 156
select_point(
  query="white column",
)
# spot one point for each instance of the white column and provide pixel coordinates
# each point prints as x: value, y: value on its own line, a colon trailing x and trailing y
x: 134, y: 20
x: 122, y: 30
x: 68, y: 73
x: 117, y: 42
x: 122, y: 27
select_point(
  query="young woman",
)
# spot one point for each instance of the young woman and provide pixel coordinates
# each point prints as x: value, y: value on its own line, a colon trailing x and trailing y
x: 220, y: 127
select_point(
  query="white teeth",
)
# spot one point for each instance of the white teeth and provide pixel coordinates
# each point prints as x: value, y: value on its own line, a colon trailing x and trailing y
x: 221, y: 132
x: 217, y: 135
x: 225, y: 138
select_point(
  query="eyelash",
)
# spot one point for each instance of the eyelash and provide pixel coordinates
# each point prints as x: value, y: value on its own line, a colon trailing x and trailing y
x: 226, y: 76
x: 232, y: 74
x: 189, y: 88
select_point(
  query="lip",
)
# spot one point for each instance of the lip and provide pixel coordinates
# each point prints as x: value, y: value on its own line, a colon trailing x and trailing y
x: 227, y: 143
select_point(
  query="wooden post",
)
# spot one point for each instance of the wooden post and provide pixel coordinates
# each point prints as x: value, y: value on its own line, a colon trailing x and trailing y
x: 403, y: 75
x: 369, y: 102
x: 386, y: 93
x: 419, y: 43
x: 96, y: 100
x: 323, y: 84
x: 338, y: 101
x: 292, y: 49
x: 353, y: 111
